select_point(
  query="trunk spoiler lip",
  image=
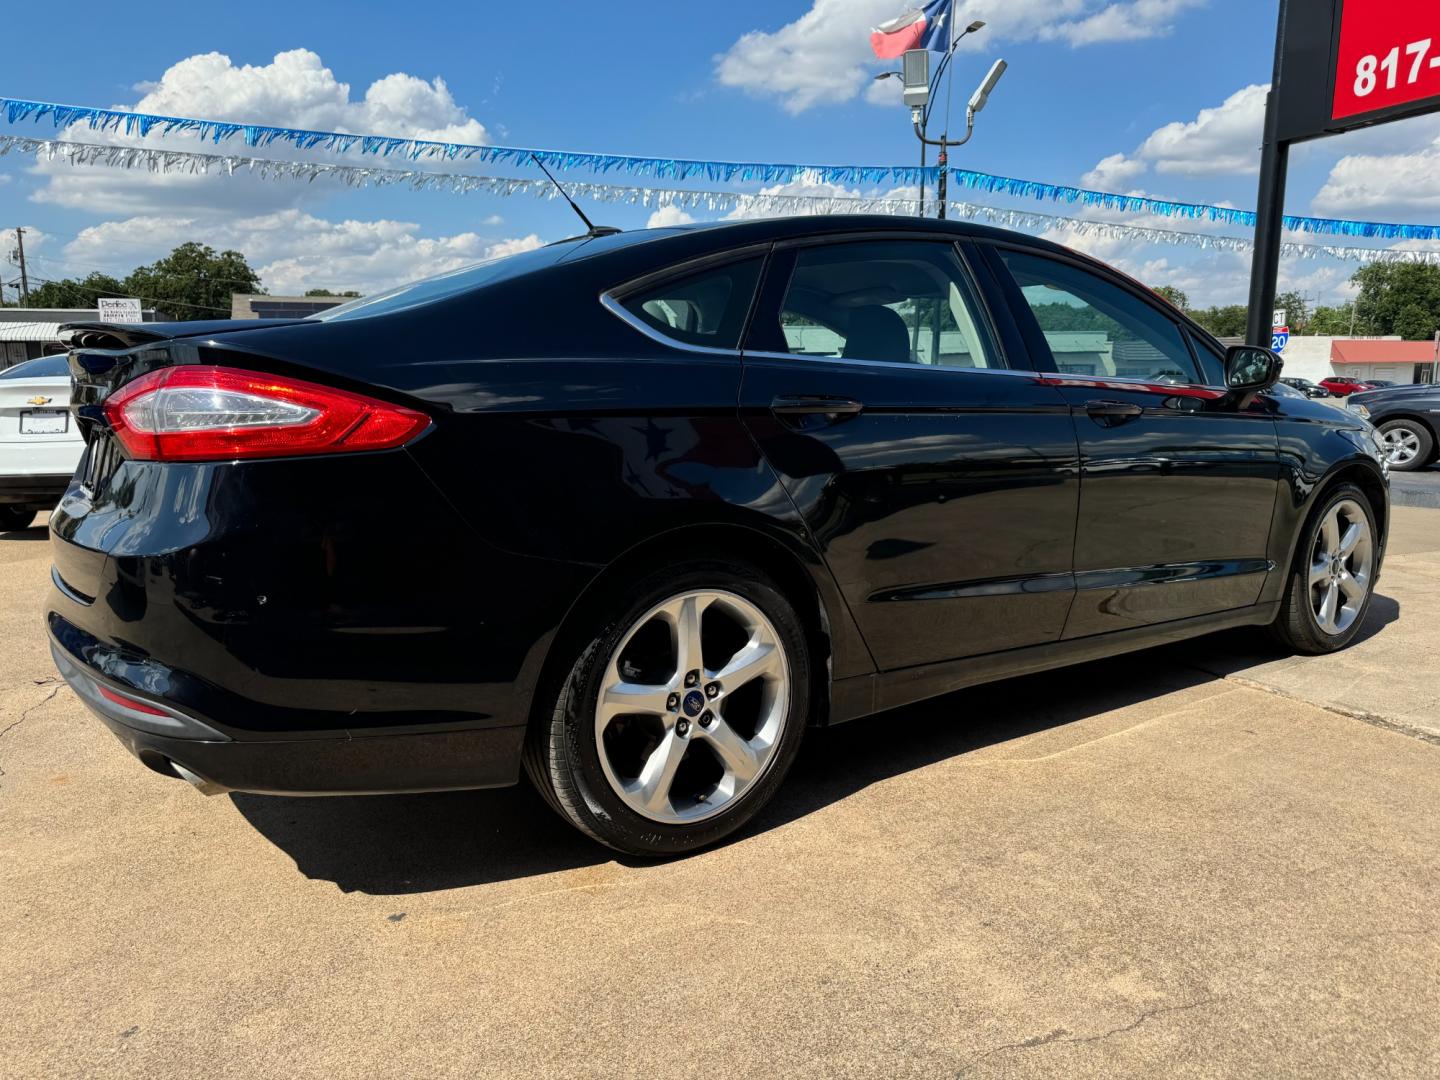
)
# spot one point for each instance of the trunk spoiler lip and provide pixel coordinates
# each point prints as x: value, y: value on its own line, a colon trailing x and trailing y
x: 103, y: 335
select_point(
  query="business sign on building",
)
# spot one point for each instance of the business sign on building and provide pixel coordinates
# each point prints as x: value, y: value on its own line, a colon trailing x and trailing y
x: 1344, y: 64
x: 120, y: 311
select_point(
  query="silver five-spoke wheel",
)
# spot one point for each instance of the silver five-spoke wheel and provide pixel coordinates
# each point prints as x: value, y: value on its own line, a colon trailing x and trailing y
x: 692, y: 705
x: 1402, y: 446
x: 1341, y: 567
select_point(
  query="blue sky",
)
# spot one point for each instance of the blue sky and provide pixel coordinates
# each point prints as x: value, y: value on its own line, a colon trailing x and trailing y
x: 1160, y: 96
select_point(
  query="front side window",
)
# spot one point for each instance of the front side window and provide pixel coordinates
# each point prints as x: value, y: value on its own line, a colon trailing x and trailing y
x: 1094, y: 327
x: 905, y: 302
x: 707, y: 308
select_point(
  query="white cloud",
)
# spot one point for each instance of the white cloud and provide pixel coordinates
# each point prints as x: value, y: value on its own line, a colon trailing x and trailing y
x: 1222, y: 139
x: 1398, y: 184
x: 668, y: 215
x: 1113, y: 173
x: 824, y: 56
x: 293, y: 250
x: 295, y: 89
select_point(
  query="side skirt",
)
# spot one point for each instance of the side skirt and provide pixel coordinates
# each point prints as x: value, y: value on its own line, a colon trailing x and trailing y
x: 866, y: 694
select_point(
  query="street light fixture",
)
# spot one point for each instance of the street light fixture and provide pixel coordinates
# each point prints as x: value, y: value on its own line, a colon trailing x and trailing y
x: 978, y: 101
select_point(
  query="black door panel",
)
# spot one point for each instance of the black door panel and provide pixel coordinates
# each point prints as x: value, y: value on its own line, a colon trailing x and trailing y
x: 1178, y: 486
x: 1177, y: 490
x: 946, y: 508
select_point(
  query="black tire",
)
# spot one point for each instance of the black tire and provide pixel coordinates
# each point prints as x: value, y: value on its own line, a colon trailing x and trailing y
x: 1426, y: 450
x: 1296, y: 626
x: 561, y: 751
x: 15, y: 518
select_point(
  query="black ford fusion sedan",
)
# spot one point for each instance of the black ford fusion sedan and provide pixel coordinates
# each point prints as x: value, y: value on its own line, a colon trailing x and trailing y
x: 634, y: 511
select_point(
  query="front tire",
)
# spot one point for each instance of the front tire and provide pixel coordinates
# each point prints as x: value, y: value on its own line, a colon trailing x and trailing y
x: 1408, y: 444
x: 1333, y: 577
x: 681, y: 715
x: 15, y: 518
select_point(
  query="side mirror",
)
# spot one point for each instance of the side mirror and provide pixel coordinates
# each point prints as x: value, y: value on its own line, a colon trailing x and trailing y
x: 1251, y: 369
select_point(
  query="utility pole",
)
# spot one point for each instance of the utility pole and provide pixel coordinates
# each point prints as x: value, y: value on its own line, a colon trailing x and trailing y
x: 24, y: 280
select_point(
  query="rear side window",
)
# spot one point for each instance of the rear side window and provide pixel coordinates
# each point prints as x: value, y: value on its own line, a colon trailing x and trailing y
x: 47, y: 367
x: 707, y: 308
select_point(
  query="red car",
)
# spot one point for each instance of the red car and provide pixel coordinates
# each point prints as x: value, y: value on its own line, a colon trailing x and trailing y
x: 1343, y: 385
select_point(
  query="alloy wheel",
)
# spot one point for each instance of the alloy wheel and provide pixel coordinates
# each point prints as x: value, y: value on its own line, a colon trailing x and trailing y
x: 692, y: 706
x: 1341, y: 567
x: 1402, y: 446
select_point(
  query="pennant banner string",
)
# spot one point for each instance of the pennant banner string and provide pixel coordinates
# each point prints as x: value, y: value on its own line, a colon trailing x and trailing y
x: 201, y: 164
x: 16, y: 110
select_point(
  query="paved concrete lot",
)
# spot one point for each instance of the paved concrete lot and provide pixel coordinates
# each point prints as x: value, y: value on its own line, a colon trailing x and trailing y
x: 1419, y: 488
x: 1199, y: 861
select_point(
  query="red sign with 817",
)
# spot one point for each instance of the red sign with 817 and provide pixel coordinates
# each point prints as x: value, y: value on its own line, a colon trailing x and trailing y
x: 1389, y: 55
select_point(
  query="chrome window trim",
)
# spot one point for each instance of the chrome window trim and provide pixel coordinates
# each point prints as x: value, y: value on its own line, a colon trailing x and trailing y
x: 612, y: 299
x: 755, y: 354
x: 625, y: 315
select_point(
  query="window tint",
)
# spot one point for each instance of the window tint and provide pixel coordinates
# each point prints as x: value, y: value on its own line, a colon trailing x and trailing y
x: 900, y: 301
x: 447, y: 284
x: 1094, y: 327
x: 45, y: 368
x: 707, y: 308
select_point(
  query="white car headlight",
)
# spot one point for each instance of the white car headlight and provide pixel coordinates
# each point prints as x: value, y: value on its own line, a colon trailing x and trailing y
x: 1359, y: 410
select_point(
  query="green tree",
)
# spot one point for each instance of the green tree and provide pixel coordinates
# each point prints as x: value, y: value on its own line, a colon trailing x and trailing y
x: 326, y: 292
x: 1332, y: 321
x: 1398, y: 298
x: 1174, y: 295
x: 193, y: 282
x: 1226, y: 321
x: 74, y: 293
x: 1297, y: 312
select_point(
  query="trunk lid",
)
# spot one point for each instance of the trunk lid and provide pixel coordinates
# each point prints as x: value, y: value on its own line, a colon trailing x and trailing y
x: 94, y: 517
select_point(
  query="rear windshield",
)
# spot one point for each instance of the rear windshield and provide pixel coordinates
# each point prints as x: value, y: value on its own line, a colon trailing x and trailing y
x: 46, y: 367
x: 442, y: 285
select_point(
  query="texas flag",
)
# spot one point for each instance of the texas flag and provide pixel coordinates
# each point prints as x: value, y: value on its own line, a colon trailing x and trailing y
x: 926, y: 28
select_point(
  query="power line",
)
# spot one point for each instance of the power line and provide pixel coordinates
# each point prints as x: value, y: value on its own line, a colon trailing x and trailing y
x: 145, y: 299
x: 70, y: 267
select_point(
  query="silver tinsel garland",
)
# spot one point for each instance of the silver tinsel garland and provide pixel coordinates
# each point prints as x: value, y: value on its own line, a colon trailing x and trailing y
x: 192, y: 163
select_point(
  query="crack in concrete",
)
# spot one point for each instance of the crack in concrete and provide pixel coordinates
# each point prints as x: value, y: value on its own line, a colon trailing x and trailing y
x: 1061, y: 1035
x: 1399, y: 727
x: 26, y: 716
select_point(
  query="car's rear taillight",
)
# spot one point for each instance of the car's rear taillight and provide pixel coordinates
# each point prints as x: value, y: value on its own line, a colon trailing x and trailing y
x: 206, y: 413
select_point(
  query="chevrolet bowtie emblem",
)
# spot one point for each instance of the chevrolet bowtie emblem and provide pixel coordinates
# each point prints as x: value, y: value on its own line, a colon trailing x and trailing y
x: 37, y: 400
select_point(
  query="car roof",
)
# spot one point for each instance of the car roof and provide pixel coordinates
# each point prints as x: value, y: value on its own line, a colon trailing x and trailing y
x: 718, y: 235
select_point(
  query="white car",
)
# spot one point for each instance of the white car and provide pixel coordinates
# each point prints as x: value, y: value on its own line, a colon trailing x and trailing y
x: 39, y: 442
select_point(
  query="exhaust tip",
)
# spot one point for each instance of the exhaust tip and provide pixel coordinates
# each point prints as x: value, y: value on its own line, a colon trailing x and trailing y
x: 199, y: 783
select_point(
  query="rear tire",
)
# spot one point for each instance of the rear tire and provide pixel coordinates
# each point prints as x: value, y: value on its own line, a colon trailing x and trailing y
x: 1408, y: 443
x: 655, y: 752
x: 1333, y: 577
x: 15, y: 518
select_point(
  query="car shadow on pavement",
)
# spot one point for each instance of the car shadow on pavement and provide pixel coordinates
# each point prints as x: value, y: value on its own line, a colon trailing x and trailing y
x: 402, y: 844
x: 34, y: 532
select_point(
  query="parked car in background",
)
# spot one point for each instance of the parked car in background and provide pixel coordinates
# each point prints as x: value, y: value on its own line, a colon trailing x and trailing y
x: 1306, y: 387
x: 1342, y: 385
x: 1408, y: 418
x: 673, y: 497
x: 1378, y: 384
x: 40, y: 443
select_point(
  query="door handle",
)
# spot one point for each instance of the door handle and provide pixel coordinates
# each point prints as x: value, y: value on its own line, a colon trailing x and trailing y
x: 800, y: 404
x: 1113, y: 410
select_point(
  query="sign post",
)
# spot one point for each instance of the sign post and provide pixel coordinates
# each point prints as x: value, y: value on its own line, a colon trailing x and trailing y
x: 1339, y: 65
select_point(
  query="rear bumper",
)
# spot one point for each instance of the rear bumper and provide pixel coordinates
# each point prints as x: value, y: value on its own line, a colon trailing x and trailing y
x: 41, y: 492
x: 185, y: 747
